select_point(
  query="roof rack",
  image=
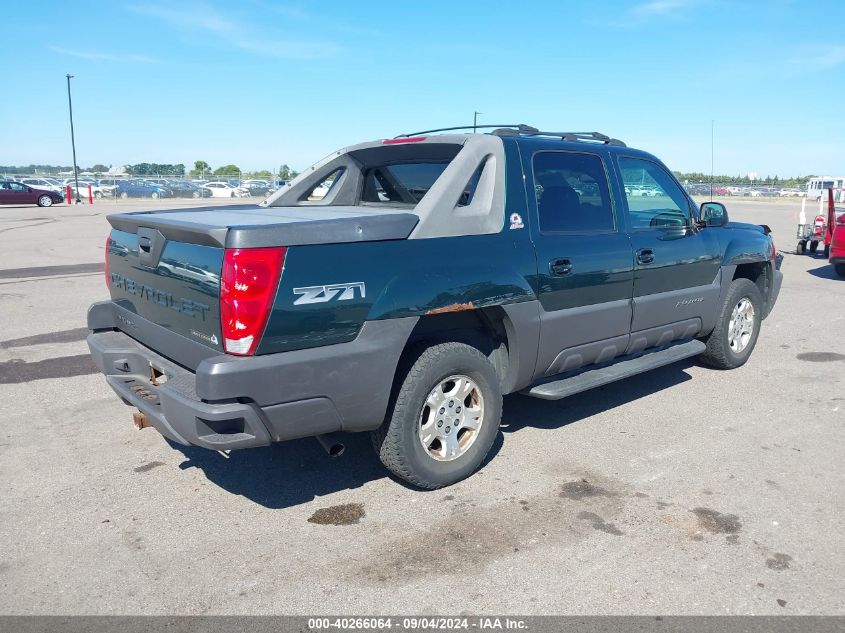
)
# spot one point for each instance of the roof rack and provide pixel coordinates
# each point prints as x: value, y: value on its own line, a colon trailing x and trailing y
x: 521, y: 129
x: 517, y: 127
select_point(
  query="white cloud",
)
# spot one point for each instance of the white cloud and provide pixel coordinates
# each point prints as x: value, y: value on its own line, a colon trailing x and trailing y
x: 227, y: 30
x: 110, y: 57
x: 819, y: 57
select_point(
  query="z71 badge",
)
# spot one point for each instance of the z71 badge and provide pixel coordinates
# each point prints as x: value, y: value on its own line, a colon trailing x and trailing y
x: 322, y: 294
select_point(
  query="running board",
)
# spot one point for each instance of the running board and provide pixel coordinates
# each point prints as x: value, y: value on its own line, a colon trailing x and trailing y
x: 591, y: 378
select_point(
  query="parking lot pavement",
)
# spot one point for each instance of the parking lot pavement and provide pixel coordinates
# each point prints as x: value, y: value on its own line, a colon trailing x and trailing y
x: 684, y: 490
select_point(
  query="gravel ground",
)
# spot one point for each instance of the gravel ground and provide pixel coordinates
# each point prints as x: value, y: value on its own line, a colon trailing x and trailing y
x: 681, y: 491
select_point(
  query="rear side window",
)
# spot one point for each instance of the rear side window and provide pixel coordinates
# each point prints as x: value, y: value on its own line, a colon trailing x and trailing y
x: 572, y: 193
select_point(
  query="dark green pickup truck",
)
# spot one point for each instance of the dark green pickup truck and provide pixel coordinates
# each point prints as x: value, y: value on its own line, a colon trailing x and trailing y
x: 402, y: 286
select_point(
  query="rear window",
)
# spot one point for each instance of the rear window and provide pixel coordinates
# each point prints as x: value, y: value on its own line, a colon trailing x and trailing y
x: 409, y: 182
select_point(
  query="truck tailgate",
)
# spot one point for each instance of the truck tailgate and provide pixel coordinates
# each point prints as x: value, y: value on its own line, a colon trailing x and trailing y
x: 165, y: 266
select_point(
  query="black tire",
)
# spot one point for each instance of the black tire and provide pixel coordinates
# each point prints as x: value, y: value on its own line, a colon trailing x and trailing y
x: 123, y: 195
x: 98, y: 195
x: 827, y: 251
x: 232, y: 195
x: 802, y: 246
x: 814, y: 246
x: 719, y: 353
x: 840, y: 269
x: 196, y: 194
x: 45, y: 201
x: 154, y: 195
x: 397, y: 442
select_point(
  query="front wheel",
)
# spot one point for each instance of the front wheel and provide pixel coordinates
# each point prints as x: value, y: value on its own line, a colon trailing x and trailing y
x: 443, y: 419
x: 45, y: 201
x: 802, y: 246
x: 123, y: 195
x: 98, y: 195
x: 814, y: 246
x: 195, y: 194
x: 154, y: 195
x: 731, y: 342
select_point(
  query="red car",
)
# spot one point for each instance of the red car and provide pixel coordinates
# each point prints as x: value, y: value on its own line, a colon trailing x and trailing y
x: 837, y: 245
x: 18, y: 193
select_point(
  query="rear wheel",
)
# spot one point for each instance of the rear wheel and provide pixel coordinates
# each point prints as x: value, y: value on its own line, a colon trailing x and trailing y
x: 733, y: 339
x: 123, y: 195
x: 98, y: 195
x: 802, y: 246
x: 195, y: 194
x: 45, y: 201
x: 154, y: 195
x: 840, y: 269
x: 814, y: 246
x: 443, y: 419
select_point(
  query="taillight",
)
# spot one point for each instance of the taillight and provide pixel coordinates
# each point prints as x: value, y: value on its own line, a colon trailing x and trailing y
x: 108, y: 246
x: 247, y: 289
x: 774, y: 252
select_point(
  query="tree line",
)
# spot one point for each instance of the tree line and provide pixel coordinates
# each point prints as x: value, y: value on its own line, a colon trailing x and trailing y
x: 201, y: 170
x: 699, y: 177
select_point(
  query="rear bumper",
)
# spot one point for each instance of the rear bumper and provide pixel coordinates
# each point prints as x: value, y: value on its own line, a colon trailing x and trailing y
x: 232, y: 402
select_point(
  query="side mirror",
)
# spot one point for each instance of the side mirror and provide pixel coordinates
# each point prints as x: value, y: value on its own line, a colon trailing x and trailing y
x: 713, y: 214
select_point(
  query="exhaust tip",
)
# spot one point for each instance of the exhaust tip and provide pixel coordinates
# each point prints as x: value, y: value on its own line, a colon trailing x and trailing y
x: 331, y: 444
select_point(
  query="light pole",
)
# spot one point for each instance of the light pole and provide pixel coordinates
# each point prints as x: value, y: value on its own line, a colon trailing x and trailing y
x: 475, y: 120
x: 72, y: 140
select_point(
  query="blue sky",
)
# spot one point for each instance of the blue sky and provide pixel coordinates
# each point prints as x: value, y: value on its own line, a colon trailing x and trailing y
x: 259, y: 83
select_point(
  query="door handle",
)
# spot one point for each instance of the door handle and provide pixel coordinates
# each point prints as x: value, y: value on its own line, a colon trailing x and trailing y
x: 560, y: 266
x: 645, y: 256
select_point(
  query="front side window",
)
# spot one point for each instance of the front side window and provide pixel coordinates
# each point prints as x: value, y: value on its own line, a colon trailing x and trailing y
x: 572, y: 193
x: 654, y: 199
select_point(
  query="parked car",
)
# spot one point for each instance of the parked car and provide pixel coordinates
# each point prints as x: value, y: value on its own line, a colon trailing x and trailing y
x: 721, y: 191
x: 47, y: 184
x: 764, y: 192
x: 186, y: 189
x: 315, y: 317
x: 792, y: 192
x: 136, y: 188
x: 12, y: 192
x: 83, y: 182
x: 220, y: 189
x: 256, y: 187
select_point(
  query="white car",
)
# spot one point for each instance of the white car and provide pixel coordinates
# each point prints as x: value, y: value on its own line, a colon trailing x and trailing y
x: 49, y: 184
x: 792, y: 192
x: 225, y: 190
x: 97, y: 190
